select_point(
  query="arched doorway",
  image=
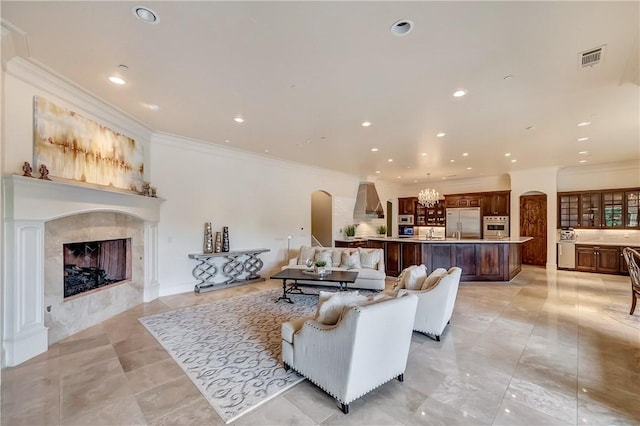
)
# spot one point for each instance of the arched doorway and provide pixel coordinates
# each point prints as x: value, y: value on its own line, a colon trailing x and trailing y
x: 533, y: 223
x: 321, y: 219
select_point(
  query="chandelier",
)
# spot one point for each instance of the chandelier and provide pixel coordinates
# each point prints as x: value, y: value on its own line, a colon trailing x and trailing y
x: 428, y: 197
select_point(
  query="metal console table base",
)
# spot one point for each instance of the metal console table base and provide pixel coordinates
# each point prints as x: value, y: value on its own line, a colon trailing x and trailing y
x: 239, y: 267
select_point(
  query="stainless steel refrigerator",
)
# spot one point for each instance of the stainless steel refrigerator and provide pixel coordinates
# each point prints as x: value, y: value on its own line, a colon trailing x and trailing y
x: 466, y: 220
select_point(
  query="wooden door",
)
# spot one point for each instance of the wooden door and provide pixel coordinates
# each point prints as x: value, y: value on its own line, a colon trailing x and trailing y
x: 533, y: 223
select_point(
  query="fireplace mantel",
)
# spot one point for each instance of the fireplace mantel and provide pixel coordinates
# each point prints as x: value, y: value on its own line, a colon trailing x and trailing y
x: 27, y: 204
x: 36, y: 199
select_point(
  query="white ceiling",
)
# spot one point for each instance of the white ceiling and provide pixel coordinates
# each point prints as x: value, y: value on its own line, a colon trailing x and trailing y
x: 305, y: 75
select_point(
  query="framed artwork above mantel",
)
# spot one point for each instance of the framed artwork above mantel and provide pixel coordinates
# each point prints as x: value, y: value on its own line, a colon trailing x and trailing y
x: 76, y: 148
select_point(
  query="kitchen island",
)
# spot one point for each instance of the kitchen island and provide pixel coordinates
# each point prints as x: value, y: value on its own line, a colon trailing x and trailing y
x: 480, y: 260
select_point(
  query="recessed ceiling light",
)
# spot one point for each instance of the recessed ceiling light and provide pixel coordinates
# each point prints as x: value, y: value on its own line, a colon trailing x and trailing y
x: 402, y: 27
x: 582, y: 161
x: 452, y: 161
x: 374, y: 149
x: 415, y: 181
x: 266, y: 150
x: 145, y: 14
x: 238, y: 119
x: 424, y: 154
x: 378, y: 171
x: 584, y: 153
x: 514, y: 161
x: 390, y: 160
x: 530, y: 127
x: 117, y: 80
x: 399, y: 177
x: 465, y: 154
x: 469, y: 168
x: 152, y: 107
x: 582, y: 139
x: 584, y: 123
x: 459, y: 93
x: 441, y: 134
x: 227, y: 140
x: 508, y: 154
x: 366, y: 124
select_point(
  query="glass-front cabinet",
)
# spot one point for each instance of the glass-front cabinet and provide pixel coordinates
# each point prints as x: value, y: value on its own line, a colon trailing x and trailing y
x: 613, y: 203
x: 614, y: 208
x: 632, y: 209
x: 569, y: 210
x: 590, y: 210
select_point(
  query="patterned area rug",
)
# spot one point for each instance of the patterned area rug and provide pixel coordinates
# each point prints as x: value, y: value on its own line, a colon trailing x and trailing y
x: 231, y: 348
x: 621, y: 313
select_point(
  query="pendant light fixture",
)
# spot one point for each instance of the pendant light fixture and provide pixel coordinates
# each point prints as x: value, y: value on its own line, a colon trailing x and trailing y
x: 428, y: 197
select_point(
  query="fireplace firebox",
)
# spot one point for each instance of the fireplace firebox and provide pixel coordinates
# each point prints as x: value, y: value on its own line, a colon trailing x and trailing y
x: 92, y: 265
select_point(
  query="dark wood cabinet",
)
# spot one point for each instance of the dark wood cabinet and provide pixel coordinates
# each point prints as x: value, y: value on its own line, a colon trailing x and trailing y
x: 601, y: 259
x: 463, y: 200
x: 439, y: 256
x: 411, y: 254
x: 376, y: 244
x: 609, y: 209
x: 496, y: 203
x: 351, y: 244
x: 392, y: 258
x: 407, y: 205
x: 465, y: 258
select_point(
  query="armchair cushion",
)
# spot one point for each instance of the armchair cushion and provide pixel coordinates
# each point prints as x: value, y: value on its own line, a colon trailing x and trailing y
x: 330, y: 309
x: 433, y: 279
x: 412, y: 277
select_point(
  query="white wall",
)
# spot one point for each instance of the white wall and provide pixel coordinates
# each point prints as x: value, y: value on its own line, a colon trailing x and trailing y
x: 600, y: 176
x: 260, y: 199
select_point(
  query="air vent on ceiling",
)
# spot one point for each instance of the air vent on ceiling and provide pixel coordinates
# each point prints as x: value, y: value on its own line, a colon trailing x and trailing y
x: 591, y: 57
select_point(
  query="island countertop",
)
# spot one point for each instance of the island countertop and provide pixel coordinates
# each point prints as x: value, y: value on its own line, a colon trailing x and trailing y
x: 509, y: 240
x: 480, y: 259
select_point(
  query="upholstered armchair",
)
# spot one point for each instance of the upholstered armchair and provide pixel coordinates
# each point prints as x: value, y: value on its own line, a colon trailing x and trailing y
x: 366, y: 348
x: 435, y: 304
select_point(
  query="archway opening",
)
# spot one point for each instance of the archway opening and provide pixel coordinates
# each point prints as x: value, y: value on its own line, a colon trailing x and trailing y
x: 321, y: 219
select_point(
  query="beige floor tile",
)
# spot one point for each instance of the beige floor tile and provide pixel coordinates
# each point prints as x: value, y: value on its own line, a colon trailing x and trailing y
x: 545, y: 338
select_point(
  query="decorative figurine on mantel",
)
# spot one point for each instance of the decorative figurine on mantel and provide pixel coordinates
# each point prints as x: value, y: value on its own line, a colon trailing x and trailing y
x: 26, y: 169
x: 44, y: 172
x: 225, y: 239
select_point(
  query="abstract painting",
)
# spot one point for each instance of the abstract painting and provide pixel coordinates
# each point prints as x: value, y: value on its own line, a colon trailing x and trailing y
x: 77, y: 148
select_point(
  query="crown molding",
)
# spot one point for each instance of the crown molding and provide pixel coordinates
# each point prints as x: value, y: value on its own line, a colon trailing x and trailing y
x: 600, y: 168
x: 75, y: 97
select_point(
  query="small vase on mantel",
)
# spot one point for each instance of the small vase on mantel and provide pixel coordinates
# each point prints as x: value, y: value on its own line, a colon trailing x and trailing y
x: 218, y: 246
x: 208, y: 238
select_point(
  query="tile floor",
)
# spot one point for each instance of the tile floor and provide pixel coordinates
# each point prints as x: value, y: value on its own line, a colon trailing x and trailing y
x: 546, y: 349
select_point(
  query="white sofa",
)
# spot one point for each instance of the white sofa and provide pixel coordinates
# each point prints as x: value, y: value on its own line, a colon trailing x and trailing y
x: 435, y: 306
x: 366, y: 348
x: 371, y: 275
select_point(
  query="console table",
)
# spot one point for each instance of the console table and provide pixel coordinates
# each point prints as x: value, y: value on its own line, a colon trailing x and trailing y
x: 234, y: 267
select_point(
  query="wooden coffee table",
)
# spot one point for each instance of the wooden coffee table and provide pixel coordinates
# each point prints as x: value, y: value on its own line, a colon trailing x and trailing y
x: 343, y: 278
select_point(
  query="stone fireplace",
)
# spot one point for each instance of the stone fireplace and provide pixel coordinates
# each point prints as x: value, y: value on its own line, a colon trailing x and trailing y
x: 41, y: 217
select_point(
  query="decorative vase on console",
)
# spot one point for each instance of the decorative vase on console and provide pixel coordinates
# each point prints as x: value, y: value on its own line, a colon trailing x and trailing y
x: 218, y: 245
x: 225, y: 239
x: 208, y: 238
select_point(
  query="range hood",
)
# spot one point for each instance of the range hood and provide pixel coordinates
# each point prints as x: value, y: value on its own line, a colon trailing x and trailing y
x: 368, y: 204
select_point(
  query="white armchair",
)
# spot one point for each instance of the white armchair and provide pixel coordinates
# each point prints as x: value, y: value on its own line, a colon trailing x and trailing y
x: 366, y: 348
x: 435, y: 306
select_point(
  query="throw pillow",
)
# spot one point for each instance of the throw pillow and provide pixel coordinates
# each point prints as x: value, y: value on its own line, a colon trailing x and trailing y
x: 336, y: 257
x: 306, y: 253
x: 369, y: 258
x: 325, y: 255
x: 350, y: 260
x: 414, y: 276
x: 433, y: 279
x: 330, y: 310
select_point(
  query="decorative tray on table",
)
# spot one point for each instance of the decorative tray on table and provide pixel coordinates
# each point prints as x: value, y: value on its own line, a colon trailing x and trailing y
x: 313, y: 272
